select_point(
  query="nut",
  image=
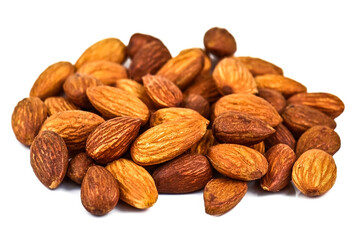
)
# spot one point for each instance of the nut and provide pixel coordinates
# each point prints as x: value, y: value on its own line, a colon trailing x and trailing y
x: 282, y: 135
x: 58, y: 104
x: 275, y: 98
x: 284, y: 85
x: 197, y: 103
x: 259, y: 66
x: 78, y: 166
x: 219, y: 42
x: 137, y: 41
x: 174, y: 114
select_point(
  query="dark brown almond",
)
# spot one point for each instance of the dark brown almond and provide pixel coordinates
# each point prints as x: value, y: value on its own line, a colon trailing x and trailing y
x: 197, y: 103
x: 137, y: 41
x: 78, y: 166
x: 219, y: 42
x: 282, y: 135
x: 205, y: 86
x: 259, y: 66
x: 58, y: 104
x: 284, y: 85
x: 275, y: 98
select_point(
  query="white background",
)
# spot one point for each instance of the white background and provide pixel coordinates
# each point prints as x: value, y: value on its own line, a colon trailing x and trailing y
x: 315, y: 42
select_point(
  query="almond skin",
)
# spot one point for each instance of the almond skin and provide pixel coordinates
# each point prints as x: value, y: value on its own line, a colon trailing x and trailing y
x: 205, y: 86
x: 259, y: 147
x: 136, y: 89
x: 73, y: 126
x: 49, y: 158
x: 325, y: 102
x: 78, y: 167
x: 222, y: 194
x: 240, y: 128
x: 197, y: 103
x: 219, y: 42
x: 319, y: 137
x: 185, y: 174
x: 237, y: 161
x: 51, y: 80
x: 280, y: 162
x: 174, y: 114
x: 137, y: 187
x: 232, y: 76
x: 27, y: 118
x: 202, y: 146
x: 275, y: 98
x: 162, y: 91
x: 112, y: 138
x: 58, y: 104
x: 259, y: 66
x: 314, y: 172
x: 282, y: 135
x: 284, y: 85
x: 137, y: 41
x: 167, y: 141
x: 109, y: 49
x: 99, y: 191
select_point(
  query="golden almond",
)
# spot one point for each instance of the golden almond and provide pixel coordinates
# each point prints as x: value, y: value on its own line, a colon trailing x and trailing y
x: 206, y: 142
x: 259, y: 66
x: 174, y: 114
x: 284, y: 85
x: 58, y: 104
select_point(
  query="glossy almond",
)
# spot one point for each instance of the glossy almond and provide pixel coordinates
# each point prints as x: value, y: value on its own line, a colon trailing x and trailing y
x: 284, y: 85
x: 50, y: 81
x: 222, y: 194
x: 249, y: 104
x: 197, y: 103
x: 167, y: 141
x: 232, y: 76
x: 109, y: 49
x: 137, y: 187
x: 137, y: 41
x: 58, y: 104
x: 136, y: 89
x: 113, y: 102
x: 280, y: 162
x: 205, y: 86
x: 99, y: 191
x: 49, y: 158
x: 173, y: 115
x: 206, y: 142
x: 258, y: 66
x: 73, y: 126
x: 112, y: 138
x: 78, y: 166
x: 275, y: 98
x: 314, y: 172
x: 282, y: 135
x: 27, y: 118
x: 220, y: 42
x: 185, y: 174
x: 237, y: 161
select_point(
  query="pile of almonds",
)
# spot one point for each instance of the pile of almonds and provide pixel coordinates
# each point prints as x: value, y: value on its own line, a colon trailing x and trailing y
x: 203, y: 119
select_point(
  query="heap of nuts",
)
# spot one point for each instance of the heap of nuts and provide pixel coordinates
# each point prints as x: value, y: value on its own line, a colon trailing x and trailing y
x: 201, y: 120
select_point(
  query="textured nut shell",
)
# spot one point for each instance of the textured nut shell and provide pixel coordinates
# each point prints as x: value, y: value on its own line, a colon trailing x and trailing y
x: 314, y: 172
x: 58, y: 104
x: 167, y: 141
x: 137, y: 187
x: 185, y: 174
x: 275, y: 98
x: 27, y: 118
x: 222, y: 194
x: 205, y: 86
x: 109, y: 49
x: 173, y: 115
x: 73, y: 126
x: 112, y: 138
x: 50, y: 81
x: 78, y: 166
x: 49, y: 158
x: 280, y: 162
x: 232, y: 76
x: 259, y: 66
x: 137, y: 41
x: 99, y: 191
x: 220, y: 42
x: 197, y: 103
x: 113, y: 102
x: 237, y: 161
x: 250, y: 104
x: 282, y: 135
x: 202, y: 146
x: 284, y: 85
x: 136, y: 89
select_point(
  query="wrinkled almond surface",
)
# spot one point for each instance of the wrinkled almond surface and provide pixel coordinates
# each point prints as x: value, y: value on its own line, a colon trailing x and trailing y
x: 173, y: 115
x: 58, y: 104
x: 259, y: 66
x: 284, y: 85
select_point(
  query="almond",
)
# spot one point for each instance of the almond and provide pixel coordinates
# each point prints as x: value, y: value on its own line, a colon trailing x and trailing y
x: 259, y: 147
x: 78, y: 167
x: 284, y: 85
x: 275, y: 98
x: 232, y: 76
x: 50, y: 81
x: 280, y: 162
x: 205, y: 86
x: 49, y: 158
x: 167, y: 141
x: 282, y: 135
x: 237, y: 161
x: 259, y: 66
x: 74, y: 126
x: 185, y: 174
x: 58, y: 104
x: 109, y: 49
x: 173, y: 115
x: 202, y: 146
x: 137, y: 41
x: 197, y: 103
x: 219, y: 42
x: 27, y: 118
x: 314, y: 172
x: 99, y: 191
x: 222, y: 194
x: 137, y: 187
x: 112, y: 138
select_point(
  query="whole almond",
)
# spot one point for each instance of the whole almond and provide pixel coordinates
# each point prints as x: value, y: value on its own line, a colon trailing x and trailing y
x: 219, y: 42
x: 232, y: 76
x: 314, y: 172
x: 284, y: 85
x: 163, y: 92
x: 27, y: 118
x: 325, y: 102
x: 319, y: 137
x: 109, y: 49
x: 167, y: 141
x: 202, y: 146
x: 185, y: 174
x: 249, y: 104
x: 58, y: 104
x: 78, y: 167
x: 280, y: 162
x: 173, y: 115
x: 275, y: 98
x: 51, y: 80
x: 113, y: 102
x: 99, y: 191
x: 137, y: 41
x: 282, y: 135
x: 137, y: 187
x: 74, y: 126
x: 240, y: 128
x: 222, y: 194
x: 136, y: 89
x: 207, y: 62
x: 259, y: 66
x: 205, y: 86
x: 237, y: 161
x: 49, y: 158
x: 197, y: 103
x: 112, y: 138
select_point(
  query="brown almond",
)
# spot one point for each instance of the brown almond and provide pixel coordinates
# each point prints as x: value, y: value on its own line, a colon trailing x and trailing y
x: 202, y: 146
x: 58, y: 104
x: 137, y: 41
x: 260, y: 147
x: 219, y: 42
x: 284, y: 85
x: 280, y: 162
x: 185, y: 174
x: 222, y: 194
x: 49, y: 158
x: 174, y: 114
x: 78, y: 167
x: 282, y: 135
x: 259, y: 66
x: 137, y: 187
x: 51, y: 80
x: 237, y: 161
x: 205, y: 86
x: 275, y: 98
x: 112, y: 138
x: 197, y: 103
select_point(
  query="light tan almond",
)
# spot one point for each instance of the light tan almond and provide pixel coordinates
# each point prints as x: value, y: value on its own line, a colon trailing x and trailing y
x: 284, y: 85
x: 174, y: 114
